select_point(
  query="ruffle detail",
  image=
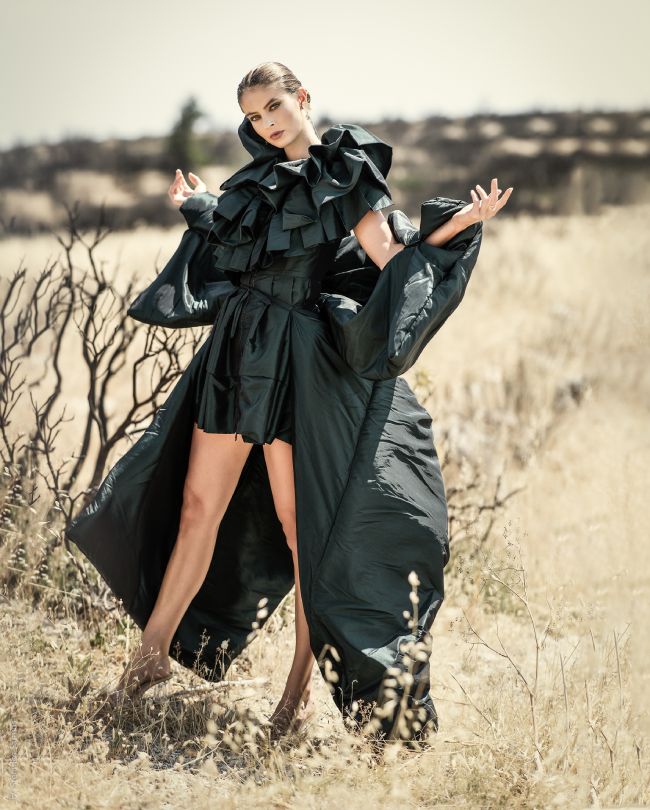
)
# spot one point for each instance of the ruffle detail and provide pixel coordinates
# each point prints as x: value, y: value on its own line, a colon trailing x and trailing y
x: 271, y: 207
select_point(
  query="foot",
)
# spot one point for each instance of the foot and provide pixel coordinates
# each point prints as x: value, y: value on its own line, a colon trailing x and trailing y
x: 148, y: 667
x: 292, y: 712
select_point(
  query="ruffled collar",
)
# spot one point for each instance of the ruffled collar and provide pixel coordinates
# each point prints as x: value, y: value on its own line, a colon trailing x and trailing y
x: 266, y: 156
x: 254, y: 143
x: 274, y: 206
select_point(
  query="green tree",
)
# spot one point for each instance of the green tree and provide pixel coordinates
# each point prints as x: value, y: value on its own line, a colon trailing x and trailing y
x: 183, y: 147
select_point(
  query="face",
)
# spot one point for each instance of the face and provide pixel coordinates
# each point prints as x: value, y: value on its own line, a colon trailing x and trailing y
x: 273, y: 110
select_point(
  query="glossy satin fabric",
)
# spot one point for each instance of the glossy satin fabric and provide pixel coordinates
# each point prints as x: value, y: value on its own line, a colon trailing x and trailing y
x: 273, y: 207
x: 245, y: 385
x: 370, y: 499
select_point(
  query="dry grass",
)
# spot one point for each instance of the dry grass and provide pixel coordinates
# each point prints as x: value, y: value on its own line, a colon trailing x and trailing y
x: 539, y: 385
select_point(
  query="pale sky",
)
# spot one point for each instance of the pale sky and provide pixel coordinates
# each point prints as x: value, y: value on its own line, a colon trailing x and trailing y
x: 123, y: 68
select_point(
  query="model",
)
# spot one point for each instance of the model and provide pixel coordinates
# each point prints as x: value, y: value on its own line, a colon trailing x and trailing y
x: 290, y: 451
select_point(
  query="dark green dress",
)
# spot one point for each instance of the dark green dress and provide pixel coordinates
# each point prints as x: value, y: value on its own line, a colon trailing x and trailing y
x: 307, y: 341
x: 275, y: 231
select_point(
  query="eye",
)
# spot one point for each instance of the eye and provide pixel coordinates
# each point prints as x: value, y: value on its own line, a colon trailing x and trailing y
x: 272, y: 107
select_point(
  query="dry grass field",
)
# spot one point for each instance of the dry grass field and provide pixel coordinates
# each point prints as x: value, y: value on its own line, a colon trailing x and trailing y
x: 539, y: 388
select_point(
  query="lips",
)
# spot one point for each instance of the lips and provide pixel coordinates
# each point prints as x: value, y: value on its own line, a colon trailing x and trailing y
x: 277, y: 134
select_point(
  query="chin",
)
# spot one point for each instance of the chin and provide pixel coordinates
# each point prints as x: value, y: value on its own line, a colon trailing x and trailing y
x: 278, y: 141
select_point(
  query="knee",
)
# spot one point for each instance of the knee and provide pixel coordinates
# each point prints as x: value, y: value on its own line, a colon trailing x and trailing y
x: 287, y: 518
x: 197, y: 509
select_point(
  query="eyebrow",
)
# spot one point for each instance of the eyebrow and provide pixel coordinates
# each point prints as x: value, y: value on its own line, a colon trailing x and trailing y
x: 270, y: 101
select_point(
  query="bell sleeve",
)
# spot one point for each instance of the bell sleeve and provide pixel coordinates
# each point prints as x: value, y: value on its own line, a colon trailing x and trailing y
x: 198, y: 211
x: 189, y: 290
x: 398, y: 310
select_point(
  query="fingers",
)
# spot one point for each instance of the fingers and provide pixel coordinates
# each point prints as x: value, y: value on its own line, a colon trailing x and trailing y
x: 183, y: 185
x: 179, y: 189
x: 503, y: 200
x: 482, y: 192
x: 199, y: 184
x: 487, y: 205
x: 492, y: 200
x: 177, y: 182
x: 493, y: 190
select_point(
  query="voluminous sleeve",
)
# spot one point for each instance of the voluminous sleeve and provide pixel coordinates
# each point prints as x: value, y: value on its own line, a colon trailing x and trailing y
x: 198, y: 211
x: 382, y: 320
x: 189, y: 289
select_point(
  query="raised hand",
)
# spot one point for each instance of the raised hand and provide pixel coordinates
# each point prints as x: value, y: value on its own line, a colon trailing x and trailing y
x: 486, y: 206
x: 179, y: 190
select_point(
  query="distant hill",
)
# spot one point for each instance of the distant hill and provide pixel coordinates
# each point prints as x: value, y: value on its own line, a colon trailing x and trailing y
x: 559, y: 163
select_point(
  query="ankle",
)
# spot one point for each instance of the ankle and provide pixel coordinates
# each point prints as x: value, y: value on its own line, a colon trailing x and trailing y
x: 154, y: 645
x: 297, y: 690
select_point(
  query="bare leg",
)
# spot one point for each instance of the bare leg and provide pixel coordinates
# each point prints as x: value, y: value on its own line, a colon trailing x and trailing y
x: 296, y: 697
x: 215, y: 465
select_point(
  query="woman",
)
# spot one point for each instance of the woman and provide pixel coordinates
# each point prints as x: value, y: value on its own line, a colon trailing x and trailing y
x: 308, y: 339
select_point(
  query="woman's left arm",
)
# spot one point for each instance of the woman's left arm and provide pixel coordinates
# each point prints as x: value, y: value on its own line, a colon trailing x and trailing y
x: 376, y: 238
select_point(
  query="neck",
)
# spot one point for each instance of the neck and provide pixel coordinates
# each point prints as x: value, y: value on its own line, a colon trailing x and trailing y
x: 299, y: 147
